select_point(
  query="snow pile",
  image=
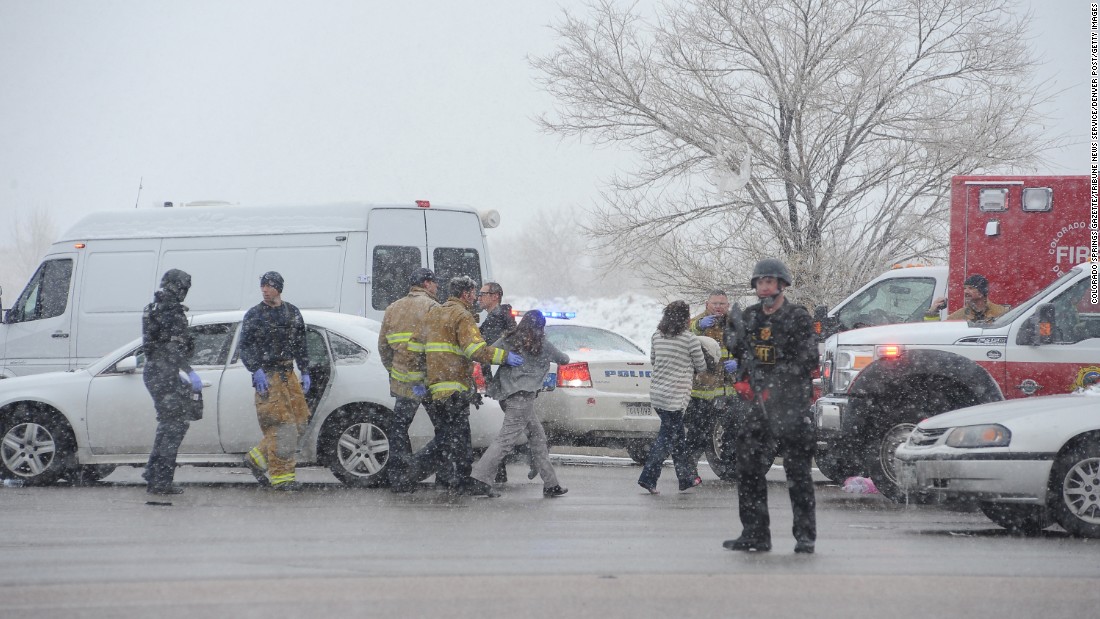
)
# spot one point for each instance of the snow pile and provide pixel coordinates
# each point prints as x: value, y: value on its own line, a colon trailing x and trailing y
x: 632, y: 316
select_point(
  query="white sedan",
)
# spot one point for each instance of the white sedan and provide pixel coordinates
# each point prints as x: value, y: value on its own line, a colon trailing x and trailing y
x: 1030, y: 462
x: 80, y: 425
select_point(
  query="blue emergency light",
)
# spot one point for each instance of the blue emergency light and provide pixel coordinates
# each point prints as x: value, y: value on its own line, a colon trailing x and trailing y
x: 548, y: 314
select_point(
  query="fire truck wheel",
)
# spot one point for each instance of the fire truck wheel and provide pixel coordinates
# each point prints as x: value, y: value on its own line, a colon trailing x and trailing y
x: 1075, y: 488
x: 880, y: 460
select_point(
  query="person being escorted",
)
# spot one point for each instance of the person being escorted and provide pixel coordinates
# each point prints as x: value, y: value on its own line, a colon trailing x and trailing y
x: 452, y: 344
x: 498, y: 321
x: 779, y: 354
x: 708, y: 389
x: 403, y: 357
x: 273, y: 339
x: 516, y: 388
x: 976, y: 304
x: 168, y: 345
x: 676, y: 355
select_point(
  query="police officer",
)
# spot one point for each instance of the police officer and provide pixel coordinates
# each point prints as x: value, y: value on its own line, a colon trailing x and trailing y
x: 167, y: 345
x: 453, y: 344
x: 273, y: 339
x: 779, y: 354
x: 403, y: 356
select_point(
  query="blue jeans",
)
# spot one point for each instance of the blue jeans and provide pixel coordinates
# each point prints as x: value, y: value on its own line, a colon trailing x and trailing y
x: 670, y: 439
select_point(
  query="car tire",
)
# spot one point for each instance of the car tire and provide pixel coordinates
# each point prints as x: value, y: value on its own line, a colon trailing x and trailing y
x: 638, y: 450
x: 835, y: 470
x: 356, y: 448
x: 36, y: 447
x: 879, y: 460
x: 1028, y: 520
x: 721, y: 455
x: 1075, y: 489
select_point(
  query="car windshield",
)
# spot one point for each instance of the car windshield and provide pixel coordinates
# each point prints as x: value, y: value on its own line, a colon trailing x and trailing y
x: 570, y: 337
x: 1010, y: 316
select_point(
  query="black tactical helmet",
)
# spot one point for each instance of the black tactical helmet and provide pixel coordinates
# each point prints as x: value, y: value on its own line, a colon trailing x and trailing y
x: 770, y: 267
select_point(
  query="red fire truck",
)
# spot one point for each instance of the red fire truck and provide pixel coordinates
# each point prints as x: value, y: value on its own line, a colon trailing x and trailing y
x: 1024, y: 234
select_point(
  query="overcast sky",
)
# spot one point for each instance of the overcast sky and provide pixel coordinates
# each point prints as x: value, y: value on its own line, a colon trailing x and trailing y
x: 274, y: 101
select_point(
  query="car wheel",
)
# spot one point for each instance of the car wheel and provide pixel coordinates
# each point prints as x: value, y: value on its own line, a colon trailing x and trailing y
x: 721, y: 455
x: 1075, y: 489
x: 1026, y: 520
x: 638, y: 450
x: 36, y: 447
x: 880, y: 460
x: 358, y: 448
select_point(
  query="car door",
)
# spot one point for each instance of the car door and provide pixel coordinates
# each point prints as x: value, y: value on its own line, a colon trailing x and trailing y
x: 121, y: 418
x: 238, y: 427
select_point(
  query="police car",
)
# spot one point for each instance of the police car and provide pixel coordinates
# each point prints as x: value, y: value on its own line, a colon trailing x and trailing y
x: 601, y: 397
x: 1031, y: 463
x: 80, y: 425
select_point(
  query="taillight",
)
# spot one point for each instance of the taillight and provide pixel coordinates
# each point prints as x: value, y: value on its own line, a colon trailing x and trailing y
x: 574, y: 375
x: 479, y: 378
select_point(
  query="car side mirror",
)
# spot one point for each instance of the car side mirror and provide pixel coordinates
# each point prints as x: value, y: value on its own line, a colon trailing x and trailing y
x: 128, y: 365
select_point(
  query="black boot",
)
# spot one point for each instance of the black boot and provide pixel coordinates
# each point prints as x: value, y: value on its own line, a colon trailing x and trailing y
x: 748, y: 544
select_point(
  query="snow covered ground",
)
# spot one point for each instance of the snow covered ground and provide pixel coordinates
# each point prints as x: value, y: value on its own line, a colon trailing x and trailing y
x: 630, y: 315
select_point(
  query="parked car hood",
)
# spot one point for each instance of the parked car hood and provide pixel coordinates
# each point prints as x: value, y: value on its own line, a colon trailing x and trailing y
x: 997, y: 412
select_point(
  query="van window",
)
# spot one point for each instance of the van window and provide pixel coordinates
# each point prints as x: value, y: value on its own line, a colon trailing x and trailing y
x: 902, y: 299
x: 46, y: 294
x: 452, y: 262
x: 118, y: 281
x: 392, y: 266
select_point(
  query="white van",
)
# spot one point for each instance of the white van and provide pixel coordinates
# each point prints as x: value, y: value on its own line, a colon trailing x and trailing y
x: 86, y: 297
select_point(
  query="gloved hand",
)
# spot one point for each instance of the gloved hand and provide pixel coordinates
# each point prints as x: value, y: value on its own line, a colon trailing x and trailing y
x: 259, y: 381
x: 731, y: 366
x: 420, y: 391
x: 513, y: 359
x: 306, y: 383
x: 196, y: 382
x: 708, y: 321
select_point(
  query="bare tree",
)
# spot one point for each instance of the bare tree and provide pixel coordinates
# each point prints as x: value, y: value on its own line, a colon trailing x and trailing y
x: 852, y: 115
x: 30, y: 235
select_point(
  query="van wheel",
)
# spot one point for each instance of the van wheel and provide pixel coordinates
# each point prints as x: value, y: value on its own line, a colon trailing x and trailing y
x: 357, y: 448
x: 36, y: 447
x: 638, y: 450
x: 880, y: 460
x: 1075, y: 489
x: 721, y: 455
x: 1029, y: 520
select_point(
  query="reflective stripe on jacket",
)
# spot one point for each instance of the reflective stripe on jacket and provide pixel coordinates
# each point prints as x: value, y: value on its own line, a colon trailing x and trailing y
x: 452, y: 344
x: 713, y: 383
x: 399, y: 342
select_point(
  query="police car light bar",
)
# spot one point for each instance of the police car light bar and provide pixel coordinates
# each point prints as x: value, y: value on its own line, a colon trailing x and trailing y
x: 548, y: 314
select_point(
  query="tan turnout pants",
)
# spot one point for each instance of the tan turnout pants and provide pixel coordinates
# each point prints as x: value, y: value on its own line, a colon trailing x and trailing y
x: 283, y: 415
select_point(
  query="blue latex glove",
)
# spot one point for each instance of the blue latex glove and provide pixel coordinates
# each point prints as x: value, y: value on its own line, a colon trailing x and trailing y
x: 420, y: 391
x: 707, y: 322
x: 731, y: 366
x: 196, y: 382
x: 259, y: 381
x: 513, y: 359
x: 305, y: 383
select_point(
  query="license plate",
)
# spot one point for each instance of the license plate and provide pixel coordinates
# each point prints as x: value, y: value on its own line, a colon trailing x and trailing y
x: 907, y: 475
x: 639, y: 410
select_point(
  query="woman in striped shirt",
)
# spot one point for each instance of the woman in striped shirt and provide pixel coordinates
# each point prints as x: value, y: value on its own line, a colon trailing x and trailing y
x: 676, y: 356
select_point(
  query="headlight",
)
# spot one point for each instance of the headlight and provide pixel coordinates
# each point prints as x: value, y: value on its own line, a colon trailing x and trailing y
x: 847, y: 364
x: 987, y: 435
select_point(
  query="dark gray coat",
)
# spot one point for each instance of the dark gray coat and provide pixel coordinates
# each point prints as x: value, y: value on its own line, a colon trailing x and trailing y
x: 527, y: 377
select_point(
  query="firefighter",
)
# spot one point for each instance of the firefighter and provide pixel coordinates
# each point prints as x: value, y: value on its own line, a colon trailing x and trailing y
x: 403, y: 356
x: 273, y: 339
x: 452, y: 344
x: 778, y: 354
x: 168, y: 345
x: 976, y: 304
x: 708, y: 389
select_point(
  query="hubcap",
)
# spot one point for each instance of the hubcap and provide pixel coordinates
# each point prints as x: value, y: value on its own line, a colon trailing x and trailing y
x: 363, y: 449
x: 1081, y: 490
x: 28, y: 449
x: 890, y: 443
